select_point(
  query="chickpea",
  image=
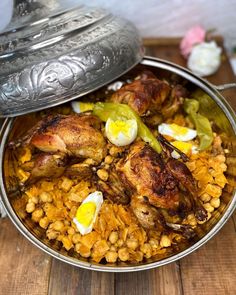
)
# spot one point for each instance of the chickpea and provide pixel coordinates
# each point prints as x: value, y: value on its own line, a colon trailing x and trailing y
x: 45, y: 197
x: 37, y: 215
x: 30, y: 207
x: 114, y: 151
x: 223, y: 166
x: 108, y: 159
x: 147, y: 250
x: 111, y: 256
x: 132, y: 244
x: 192, y: 220
x: 76, y: 238
x: 113, y: 248
x: 70, y: 231
x: 89, y: 161
x: 123, y: 254
x: 154, y: 243
x: 113, y: 238
x: 102, y: 174
x: 57, y: 225
x: 208, y: 207
x: 165, y: 241
x: 106, y: 166
x: 205, y: 197
x: 120, y: 243
x: 52, y: 234
x: 138, y: 256
x: 44, y: 222
x: 220, y: 158
x: 34, y: 199
x: 215, y: 202
x: 67, y: 223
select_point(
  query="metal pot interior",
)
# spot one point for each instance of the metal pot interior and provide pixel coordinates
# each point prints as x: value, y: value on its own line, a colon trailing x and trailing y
x: 213, y: 106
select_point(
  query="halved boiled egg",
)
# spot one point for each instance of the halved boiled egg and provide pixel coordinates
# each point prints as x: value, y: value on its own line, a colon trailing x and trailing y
x: 177, y: 132
x: 121, y: 132
x: 87, y: 212
x: 80, y: 107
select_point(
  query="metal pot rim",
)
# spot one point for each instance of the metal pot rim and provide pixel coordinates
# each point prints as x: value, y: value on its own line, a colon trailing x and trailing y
x: 165, y: 65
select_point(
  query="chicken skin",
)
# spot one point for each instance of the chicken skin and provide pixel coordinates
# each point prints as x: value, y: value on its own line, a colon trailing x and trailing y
x: 74, y: 135
x: 59, y: 141
x: 143, y: 94
x: 158, y: 180
x: 145, y: 170
x: 149, y: 95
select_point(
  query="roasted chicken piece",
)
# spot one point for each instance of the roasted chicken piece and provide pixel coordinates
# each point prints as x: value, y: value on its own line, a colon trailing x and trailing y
x: 143, y: 94
x: 148, y: 95
x: 151, y: 217
x: 145, y: 170
x: 74, y: 135
x: 160, y: 180
x: 114, y: 189
x: 47, y: 165
x: 148, y: 216
x: 56, y: 140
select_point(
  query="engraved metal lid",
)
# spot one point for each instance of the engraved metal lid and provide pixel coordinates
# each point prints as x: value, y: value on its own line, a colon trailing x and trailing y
x: 49, y: 55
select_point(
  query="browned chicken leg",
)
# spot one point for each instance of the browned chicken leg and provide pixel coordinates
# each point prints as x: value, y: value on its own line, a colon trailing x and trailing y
x: 74, y: 135
x: 143, y: 94
x: 150, y: 96
x: 145, y: 170
x: 157, y: 180
x: 58, y: 138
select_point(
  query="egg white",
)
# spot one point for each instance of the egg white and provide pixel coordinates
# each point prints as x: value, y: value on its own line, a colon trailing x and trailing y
x: 165, y: 129
x: 122, y: 139
x: 97, y: 199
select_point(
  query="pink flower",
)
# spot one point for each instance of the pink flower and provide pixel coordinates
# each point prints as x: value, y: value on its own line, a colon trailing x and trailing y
x: 193, y: 36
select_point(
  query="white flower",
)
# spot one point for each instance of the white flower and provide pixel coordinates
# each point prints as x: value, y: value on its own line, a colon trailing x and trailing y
x: 204, y: 59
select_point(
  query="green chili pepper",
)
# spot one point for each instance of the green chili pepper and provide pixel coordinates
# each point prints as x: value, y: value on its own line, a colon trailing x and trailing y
x: 118, y: 111
x: 202, y: 124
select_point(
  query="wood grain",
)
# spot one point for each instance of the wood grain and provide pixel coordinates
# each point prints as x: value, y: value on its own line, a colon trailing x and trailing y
x: 24, y: 269
x: 212, y: 269
x: 164, y: 280
x: 66, y: 279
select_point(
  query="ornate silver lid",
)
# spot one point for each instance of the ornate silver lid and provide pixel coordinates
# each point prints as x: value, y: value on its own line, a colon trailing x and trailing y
x: 49, y: 55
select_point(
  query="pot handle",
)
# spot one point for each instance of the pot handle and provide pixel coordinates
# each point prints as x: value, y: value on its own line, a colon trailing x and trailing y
x: 224, y: 86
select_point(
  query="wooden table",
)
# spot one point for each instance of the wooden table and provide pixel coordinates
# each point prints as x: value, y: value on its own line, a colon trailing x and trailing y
x: 24, y: 269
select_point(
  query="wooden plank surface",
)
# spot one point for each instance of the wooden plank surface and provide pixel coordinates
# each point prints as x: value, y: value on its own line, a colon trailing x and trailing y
x: 24, y: 269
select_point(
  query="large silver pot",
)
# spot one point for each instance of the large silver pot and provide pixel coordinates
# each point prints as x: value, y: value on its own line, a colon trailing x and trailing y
x: 214, y: 107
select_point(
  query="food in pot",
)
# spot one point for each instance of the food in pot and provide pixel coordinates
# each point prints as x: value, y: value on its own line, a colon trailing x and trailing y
x: 125, y: 179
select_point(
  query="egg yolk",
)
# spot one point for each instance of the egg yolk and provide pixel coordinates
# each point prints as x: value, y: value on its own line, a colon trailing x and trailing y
x: 178, y: 130
x: 85, y: 213
x: 184, y: 147
x: 120, y: 126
